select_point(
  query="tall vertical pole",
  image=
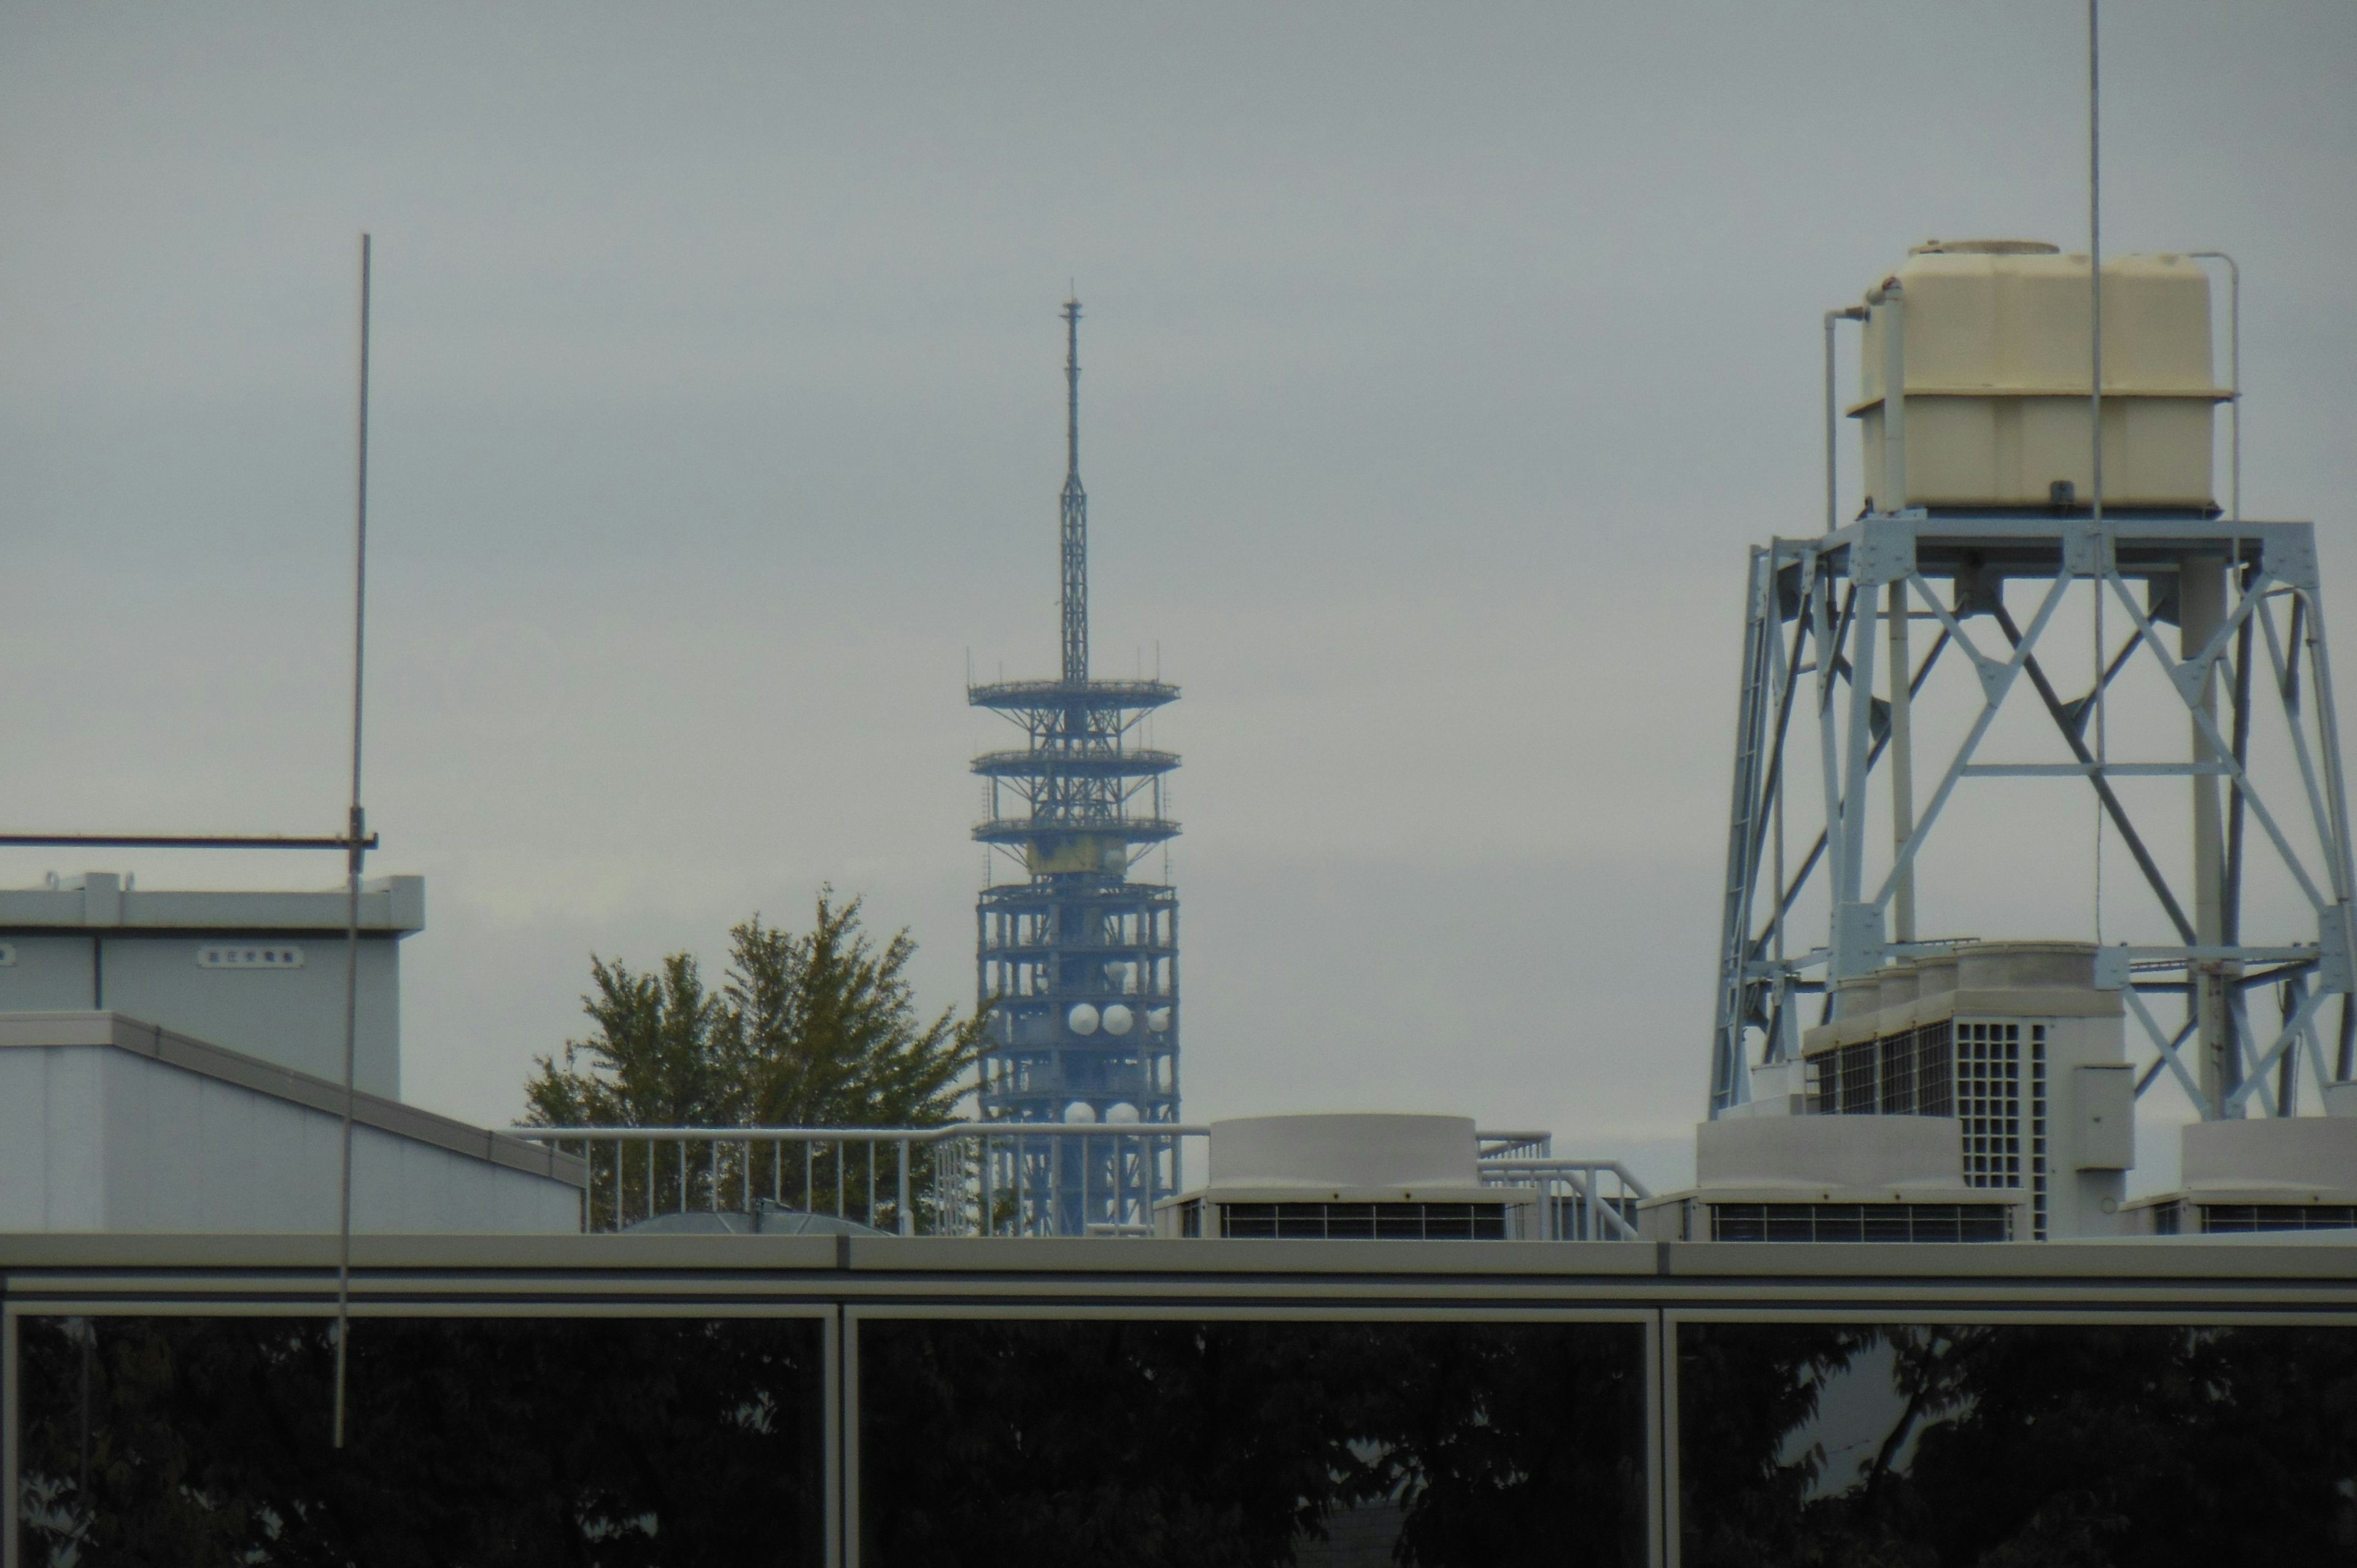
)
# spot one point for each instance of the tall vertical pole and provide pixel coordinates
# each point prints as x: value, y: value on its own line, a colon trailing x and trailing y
x: 1894, y: 500
x: 1902, y: 768
x: 1075, y: 511
x: 1853, y: 941
x: 2095, y: 262
x: 2201, y: 606
x: 358, y: 828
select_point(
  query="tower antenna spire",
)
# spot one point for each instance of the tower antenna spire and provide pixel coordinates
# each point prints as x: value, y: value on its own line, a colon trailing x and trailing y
x: 1075, y: 509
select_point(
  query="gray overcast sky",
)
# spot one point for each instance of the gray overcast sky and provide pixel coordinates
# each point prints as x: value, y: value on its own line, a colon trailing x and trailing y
x: 1440, y: 362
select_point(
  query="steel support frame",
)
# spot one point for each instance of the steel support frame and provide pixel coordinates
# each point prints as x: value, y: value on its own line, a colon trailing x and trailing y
x: 1826, y: 590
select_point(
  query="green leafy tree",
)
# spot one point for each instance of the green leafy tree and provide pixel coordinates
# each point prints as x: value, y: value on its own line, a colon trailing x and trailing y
x: 660, y: 1056
x: 825, y: 1029
x: 811, y: 1028
x: 814, y: 1028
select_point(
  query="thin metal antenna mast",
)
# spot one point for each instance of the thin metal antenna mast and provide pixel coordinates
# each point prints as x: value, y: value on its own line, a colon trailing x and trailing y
x: 2096, y: 409
x: 2095, y: 252
x: 1076, y: 510
x: 358, y: 847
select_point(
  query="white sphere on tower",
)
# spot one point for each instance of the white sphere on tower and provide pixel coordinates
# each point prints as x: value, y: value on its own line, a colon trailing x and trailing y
x: 1117, y: 1019
x: 1080, y: 1111
x: 1083, y: 1019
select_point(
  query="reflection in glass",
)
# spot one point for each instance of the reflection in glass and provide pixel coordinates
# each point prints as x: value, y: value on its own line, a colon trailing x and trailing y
x: 2016, y: 1444
x: 1043, y: 1443
x: 204, y: 1441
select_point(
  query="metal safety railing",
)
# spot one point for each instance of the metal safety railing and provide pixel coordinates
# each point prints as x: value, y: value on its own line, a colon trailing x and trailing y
x: 1580, y: 1200
x: 999, y: 1178
x: 963, y: 1179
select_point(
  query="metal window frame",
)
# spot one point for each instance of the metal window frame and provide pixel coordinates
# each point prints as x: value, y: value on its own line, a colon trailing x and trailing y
x: 2265, y: 1280
x: 1913, y: 1315
x: 116, y: 1303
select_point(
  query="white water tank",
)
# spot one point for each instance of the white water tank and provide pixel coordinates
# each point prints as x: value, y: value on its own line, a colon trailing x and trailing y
x: 1080, y: 1111
x: 1082, y: 1019
x: 1998, y: 357
x: 1117, y: 1020
x: 1158, y: 1020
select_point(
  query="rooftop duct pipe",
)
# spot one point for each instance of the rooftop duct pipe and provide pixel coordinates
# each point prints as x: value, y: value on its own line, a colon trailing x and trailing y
x: 1892, y: 299
x: 1833, y: 412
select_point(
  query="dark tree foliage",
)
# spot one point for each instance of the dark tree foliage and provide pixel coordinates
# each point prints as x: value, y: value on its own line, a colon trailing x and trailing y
x: 1044, y: 1443
x: 2044, y: 1447
x: 618, y: 1443
x: 816, y: 1028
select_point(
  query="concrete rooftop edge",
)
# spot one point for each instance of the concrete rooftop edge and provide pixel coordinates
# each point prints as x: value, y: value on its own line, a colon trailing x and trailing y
x: 2153, y: 1267
x: 98, y: 903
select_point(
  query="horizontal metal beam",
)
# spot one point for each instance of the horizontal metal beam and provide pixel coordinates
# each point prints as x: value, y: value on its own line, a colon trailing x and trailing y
x: 1026, y: 829
x: 176, y: 841
x: 2093, y: 769
x: 1045, y: 762
x: 950, y: 1132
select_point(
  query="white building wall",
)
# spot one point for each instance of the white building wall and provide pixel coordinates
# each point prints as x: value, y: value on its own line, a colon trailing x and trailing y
x: 52, y: 1170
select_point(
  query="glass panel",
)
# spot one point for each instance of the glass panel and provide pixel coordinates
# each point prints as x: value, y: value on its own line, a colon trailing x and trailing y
x: 471, y: 1441
x: 2015, y: 1443
x: 1047, y: 1443
x: 1858, y: 1097
x: 1988, y: 1098
x: 1823, y: 1081
x: 1898, y: 1074
x: 1933, y: 1061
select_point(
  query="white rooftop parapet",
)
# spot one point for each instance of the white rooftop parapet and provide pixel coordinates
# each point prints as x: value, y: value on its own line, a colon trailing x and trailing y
x: 1831, y: 1157
x: 111, y: 1124
x: 2274, y: 1159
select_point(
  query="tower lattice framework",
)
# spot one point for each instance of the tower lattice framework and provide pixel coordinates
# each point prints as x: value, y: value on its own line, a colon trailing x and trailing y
x: 1078, y: 960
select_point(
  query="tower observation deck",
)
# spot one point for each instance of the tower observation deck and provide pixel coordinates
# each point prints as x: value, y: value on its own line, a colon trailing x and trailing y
x: 1081, y: 960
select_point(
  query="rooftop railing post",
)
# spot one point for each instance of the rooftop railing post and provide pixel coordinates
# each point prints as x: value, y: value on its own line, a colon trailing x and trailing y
x: 986, y: 1223
x: 908, y: 1221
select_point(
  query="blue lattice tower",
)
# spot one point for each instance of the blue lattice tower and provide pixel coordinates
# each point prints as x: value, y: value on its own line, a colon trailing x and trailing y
x: 1081, y: 960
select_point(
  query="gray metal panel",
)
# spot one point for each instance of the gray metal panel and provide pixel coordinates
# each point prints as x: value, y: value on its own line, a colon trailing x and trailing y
x: 51, y: 972
x: 294, y: 1017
